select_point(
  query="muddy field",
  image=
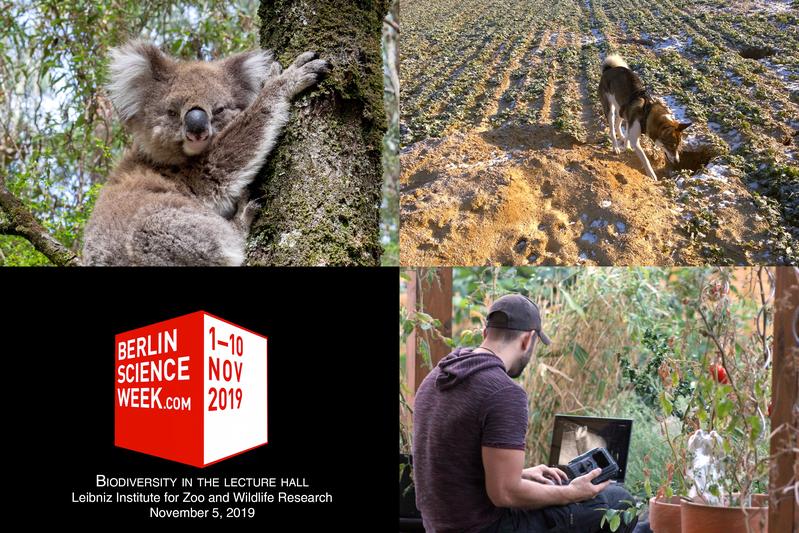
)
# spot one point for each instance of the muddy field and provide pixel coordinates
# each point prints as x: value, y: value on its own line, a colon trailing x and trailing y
x: 506, y: 158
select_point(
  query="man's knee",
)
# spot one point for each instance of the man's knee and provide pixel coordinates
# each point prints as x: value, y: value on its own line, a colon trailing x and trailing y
x: 616, y: 496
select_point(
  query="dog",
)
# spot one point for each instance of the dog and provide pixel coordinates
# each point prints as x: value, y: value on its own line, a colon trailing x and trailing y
x: 624, y: 99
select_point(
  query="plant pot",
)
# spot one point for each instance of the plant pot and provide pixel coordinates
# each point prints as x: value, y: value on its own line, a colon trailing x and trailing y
x: 407, y: 493
x: 665, y: 515
x: 701, y: 518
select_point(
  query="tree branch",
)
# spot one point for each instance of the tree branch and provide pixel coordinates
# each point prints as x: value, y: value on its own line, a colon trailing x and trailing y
x: 21, y: 222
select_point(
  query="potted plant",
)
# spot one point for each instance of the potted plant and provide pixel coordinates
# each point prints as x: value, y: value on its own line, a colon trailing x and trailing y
x: 665, y: 514
x: 720, y: 455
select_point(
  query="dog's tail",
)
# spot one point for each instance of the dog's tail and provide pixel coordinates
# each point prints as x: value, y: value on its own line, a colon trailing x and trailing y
x: 612, y: 61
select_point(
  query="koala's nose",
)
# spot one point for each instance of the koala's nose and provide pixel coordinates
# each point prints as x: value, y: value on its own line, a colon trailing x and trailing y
x: 196, y: 122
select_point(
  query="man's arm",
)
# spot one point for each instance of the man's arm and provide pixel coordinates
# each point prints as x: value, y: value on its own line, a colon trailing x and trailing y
x: 506, y: 488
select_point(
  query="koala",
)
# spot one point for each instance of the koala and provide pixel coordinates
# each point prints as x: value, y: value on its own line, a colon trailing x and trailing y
x: 201, y: 131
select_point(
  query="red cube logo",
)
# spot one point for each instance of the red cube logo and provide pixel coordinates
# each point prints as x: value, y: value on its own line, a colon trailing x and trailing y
x: 191, y: 389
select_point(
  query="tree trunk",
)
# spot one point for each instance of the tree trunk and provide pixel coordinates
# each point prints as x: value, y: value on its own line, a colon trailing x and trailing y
x: 322, y: 183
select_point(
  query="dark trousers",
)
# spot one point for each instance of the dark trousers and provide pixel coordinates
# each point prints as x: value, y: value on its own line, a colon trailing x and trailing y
x: 583, y: 517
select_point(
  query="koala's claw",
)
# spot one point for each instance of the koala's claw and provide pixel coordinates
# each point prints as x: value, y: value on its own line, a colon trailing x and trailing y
x: 308, y: 75
x: 318, y: 66
x: 304, y: 58
x: 275, y: 70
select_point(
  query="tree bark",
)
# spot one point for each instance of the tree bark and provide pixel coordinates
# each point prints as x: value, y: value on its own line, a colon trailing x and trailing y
x: 322, y: 183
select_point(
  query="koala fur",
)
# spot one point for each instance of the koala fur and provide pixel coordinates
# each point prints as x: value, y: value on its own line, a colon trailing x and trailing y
x: 201, y: 131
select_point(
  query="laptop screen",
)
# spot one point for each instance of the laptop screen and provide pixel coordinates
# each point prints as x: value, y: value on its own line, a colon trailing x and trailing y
x: 575, y: 435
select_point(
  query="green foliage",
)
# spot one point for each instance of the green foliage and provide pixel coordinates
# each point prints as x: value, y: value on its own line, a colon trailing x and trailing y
x: 614, y: 517
x: 59, y: 137
x: 647, y: 378
x: 648, y: 452
x: 686, y: 391
x: 632, y: 343
x: 550, y: 51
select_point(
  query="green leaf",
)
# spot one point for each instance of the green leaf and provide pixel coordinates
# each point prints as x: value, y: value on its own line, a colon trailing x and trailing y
x: 628, y: 515
x: 600, y: 390
x: 615, y: 522
x: 580, y: 354
x: 424, y: 347
x: 665, y: 404
x: 724, y: 407
x: 423, y: 317
x: 571, y: 303
x: 756, y: 425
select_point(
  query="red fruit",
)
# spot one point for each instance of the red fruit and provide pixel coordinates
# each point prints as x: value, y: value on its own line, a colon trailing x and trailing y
x: 770, y: 405
x: 719, y: 373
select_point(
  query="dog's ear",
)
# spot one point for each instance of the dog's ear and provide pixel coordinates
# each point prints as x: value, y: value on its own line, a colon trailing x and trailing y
x: 683, y: 125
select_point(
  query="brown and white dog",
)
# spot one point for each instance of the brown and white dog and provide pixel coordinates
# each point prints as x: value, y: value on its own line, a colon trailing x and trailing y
x: 624, y: 98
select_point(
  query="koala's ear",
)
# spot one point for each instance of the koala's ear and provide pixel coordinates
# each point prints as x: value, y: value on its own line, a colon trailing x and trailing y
x: 252, y: 69
x: 134, y: 67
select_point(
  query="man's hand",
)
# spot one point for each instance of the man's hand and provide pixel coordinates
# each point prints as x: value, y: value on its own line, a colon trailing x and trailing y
x: 582, y: 488
x: 546, y: 475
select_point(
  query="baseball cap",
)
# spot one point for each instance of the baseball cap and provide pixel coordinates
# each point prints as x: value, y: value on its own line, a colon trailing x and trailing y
x: 515, y: 311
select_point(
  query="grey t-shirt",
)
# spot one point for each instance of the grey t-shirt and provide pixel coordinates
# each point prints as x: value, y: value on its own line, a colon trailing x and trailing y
x: 468, y: 401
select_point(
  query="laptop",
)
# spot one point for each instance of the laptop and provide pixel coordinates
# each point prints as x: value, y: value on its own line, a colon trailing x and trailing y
x: 575, y: 435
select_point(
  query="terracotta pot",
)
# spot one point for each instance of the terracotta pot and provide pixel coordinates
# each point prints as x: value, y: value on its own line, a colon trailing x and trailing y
x: 700, y: 518
x: 665, y: 515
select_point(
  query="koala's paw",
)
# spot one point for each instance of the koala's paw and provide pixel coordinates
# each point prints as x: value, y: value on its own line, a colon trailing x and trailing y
x: 275, y: 70
x: 246, y: 212
x: 305, y: 72
x: 303, y: 58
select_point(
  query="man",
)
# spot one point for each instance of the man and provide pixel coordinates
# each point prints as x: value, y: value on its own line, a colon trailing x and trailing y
x: 470, y: 421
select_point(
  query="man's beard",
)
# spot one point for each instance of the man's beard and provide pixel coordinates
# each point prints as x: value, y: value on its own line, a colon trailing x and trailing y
x: 518, y: 367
